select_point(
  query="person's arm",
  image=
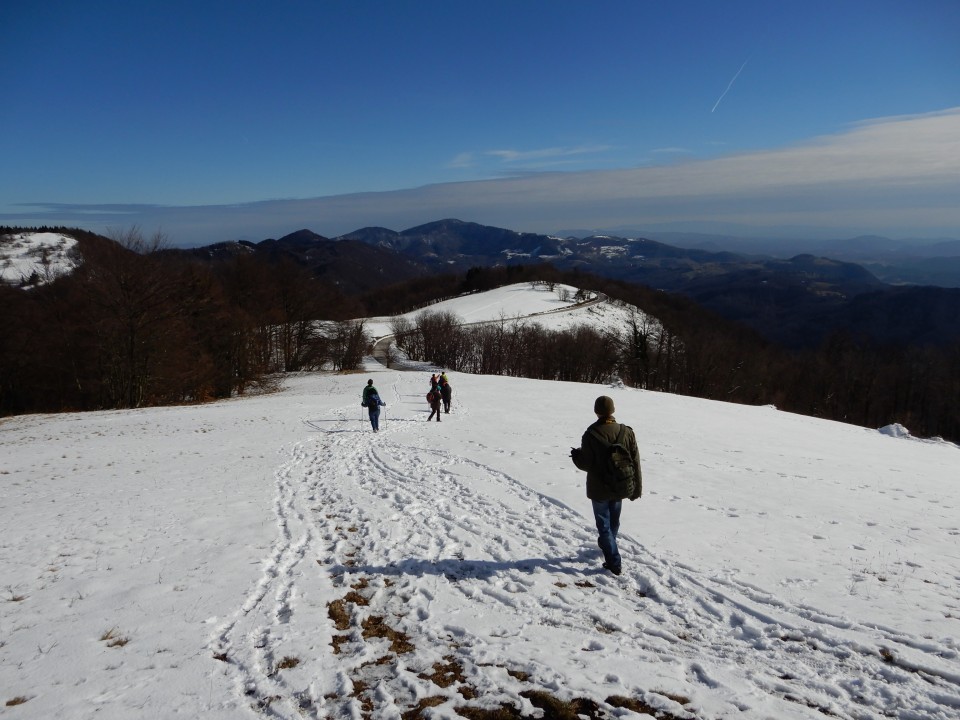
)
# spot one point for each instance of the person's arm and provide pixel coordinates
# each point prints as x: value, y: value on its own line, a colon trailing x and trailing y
x: 583, y: 456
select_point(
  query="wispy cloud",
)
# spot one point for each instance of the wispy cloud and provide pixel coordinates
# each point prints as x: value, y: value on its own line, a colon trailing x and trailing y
x: 672, y: 151
x: 462, y: 160
x: 520, y: 161
x: 897, y: 175
x: 553, y: 153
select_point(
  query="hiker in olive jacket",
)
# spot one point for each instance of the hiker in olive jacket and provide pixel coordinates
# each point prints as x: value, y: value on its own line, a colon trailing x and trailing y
x: 607, y: 502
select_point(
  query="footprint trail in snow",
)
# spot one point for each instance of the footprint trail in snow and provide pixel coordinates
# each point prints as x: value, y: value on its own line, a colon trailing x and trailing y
x: 404, y: 577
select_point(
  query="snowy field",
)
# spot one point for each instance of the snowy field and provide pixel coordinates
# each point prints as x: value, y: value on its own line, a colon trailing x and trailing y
x: 46, y: 254
x: 553, y: 309
x: 272, y: 557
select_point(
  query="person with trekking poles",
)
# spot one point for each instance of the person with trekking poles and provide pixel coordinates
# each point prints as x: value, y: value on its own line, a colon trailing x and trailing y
x: 608, y: 452
x: 372, y: 402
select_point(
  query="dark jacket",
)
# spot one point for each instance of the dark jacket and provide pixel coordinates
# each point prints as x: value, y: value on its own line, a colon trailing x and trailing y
x: 368, y: 392
x: 592, y: 454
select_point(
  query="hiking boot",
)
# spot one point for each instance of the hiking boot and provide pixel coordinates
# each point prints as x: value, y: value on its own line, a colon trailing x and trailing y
x: 612, y: 568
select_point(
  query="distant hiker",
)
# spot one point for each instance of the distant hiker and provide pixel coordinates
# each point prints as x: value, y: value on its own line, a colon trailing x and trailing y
x: 608, y: 452
x: 433, y: 399
x: 446, y: 392
x: 372, y: 402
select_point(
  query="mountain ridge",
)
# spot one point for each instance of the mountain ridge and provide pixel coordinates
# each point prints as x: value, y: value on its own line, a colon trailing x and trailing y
x: 795, y: 302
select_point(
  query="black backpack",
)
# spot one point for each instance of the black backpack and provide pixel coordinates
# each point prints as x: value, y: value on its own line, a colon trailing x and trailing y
x: 618, y: 470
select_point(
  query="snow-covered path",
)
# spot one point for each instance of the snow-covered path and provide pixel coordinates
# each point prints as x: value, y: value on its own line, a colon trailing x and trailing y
x: 405, y: 574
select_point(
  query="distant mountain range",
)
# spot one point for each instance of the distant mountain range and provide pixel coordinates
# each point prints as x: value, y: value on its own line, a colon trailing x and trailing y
x: 897, y: 262
x: 793, y: 301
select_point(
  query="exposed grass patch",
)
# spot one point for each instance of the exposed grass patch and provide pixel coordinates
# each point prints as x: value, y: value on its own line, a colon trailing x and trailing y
x: 584, y: 584
x: 288, y: 662
x: 549, y: 708
x: 337, y: 610
x: 416, y: 712
x: 553, y: 707
x: 374, y: 626
x: 18, y: 700
x: 359, y: 689
x: 15, y: 597
x: 446, y: 673
x: 504, y: 712
x: 639, y: 706
x: 114, y: 639
x: 356, y: 598
x: 679, y: 699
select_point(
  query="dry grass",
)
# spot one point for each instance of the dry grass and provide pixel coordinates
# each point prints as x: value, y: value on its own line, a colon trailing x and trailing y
x: 416, y: 712
x: 114, y: 639
x: 288, y: 662
x: 449, y: 673
x: 19, y: 700
x: 337, y: 610
x: 446, y: 673
x: 374, y: 626
x: 639, y: 706
x: 337, y: 641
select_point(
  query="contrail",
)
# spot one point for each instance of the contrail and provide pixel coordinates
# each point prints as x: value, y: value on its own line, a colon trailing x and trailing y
x: 730, y: 85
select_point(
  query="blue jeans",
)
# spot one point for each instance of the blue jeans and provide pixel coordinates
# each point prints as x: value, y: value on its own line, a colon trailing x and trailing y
x: 607, y: 515
x: 375, y: 418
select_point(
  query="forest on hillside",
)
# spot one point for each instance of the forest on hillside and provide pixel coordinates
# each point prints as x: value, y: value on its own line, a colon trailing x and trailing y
x: 135, y: 326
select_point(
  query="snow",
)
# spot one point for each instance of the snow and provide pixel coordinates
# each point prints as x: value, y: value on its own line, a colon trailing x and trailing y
x: 528, y: 303
x: 45, y: 253
x: 196, y: 561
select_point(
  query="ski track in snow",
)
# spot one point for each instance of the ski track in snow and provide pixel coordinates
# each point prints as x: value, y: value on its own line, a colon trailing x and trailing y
x: 466, y: 540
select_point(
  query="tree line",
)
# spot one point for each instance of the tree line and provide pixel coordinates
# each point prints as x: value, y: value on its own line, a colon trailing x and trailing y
x: 133, y: 325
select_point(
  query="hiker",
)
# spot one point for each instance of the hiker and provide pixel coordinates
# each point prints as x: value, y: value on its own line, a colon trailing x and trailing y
x: 372, y: 402
x: 446, y: 392
x: 433, y: 397
x: 592, y: 456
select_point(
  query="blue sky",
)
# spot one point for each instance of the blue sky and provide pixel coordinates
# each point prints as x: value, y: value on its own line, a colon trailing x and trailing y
x: 211, y: 121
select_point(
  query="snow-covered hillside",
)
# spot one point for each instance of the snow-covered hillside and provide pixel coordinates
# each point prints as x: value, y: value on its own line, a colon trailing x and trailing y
x: 37, y: 257
x: 272, y: 557
x: 554, y: 308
